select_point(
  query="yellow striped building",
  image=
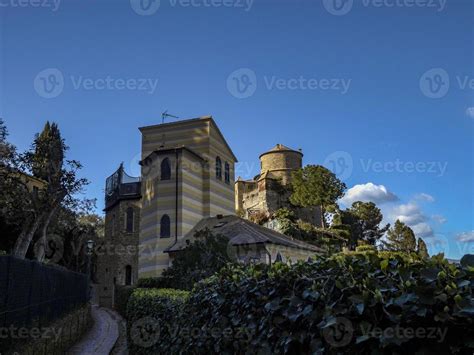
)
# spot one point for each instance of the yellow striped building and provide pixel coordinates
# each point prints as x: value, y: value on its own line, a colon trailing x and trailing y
x: 187, y: 175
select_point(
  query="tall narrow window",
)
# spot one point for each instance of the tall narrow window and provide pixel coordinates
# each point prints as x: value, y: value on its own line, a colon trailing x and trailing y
x: 218, y: 168
x: 227, y: 172
x: 129, y: 220
x: 128, y: 275
x: 165, y: 169
x: 165, y: 228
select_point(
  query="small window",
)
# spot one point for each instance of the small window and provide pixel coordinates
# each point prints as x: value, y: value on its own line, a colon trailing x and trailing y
x: 129, y: 220
x: 279, y: 259
x: 165, y: 228
x: 165, y: 169
x: 218, y: 168
x: 128, y: 275
x: 227, y: 172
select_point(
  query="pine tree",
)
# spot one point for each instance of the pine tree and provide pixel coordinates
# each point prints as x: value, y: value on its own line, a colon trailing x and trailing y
x: 48, y: 157
x: 400, y: 238
x: 364, y: 219
x: 46, y: 161
x: 421, y: 249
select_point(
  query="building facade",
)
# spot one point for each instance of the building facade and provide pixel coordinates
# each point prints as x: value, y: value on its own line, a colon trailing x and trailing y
x: 268, y: 191
x: 117, y: 253
x: 250, y: 242
x: 187, y: 175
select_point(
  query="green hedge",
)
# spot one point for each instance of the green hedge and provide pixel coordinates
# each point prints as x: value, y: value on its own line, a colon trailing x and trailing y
x: 356, y: 303
x: 122, y: 295
x: 153, y: 282
x: 151, y: 316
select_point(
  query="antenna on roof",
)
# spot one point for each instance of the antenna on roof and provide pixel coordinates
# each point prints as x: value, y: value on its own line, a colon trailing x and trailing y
x: 165, y: 115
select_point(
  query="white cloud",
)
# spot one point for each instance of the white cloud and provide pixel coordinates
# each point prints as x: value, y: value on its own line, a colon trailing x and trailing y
x: 466, y: 237
x: 368, y: 192
x: 470, y: 112
x: 423, y: 230
x: 412, y: 215
x: 424, y: 197
x: 439, y: 218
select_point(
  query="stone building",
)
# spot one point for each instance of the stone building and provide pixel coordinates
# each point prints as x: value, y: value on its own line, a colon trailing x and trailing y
x: 187, y: 174
x: 268, y: 191
x: 117, y: 254
x: 187, y: 182
x: 250, y: 242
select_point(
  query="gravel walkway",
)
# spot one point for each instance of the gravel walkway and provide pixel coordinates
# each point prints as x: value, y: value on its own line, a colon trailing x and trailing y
x: 101, y: 338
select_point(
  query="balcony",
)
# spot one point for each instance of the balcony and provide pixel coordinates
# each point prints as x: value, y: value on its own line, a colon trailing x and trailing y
x: 120, y: 186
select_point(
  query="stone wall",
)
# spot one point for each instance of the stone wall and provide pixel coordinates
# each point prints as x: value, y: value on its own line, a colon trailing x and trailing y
x: 65, y: 332
x: 118, y: 250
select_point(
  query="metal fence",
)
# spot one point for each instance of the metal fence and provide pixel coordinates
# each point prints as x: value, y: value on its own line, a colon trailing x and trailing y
x: 33, y: 294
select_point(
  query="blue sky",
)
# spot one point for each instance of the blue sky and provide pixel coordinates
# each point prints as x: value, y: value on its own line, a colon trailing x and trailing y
x: 361, y: 86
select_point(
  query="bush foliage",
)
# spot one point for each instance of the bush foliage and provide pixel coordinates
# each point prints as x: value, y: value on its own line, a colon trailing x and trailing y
x: 122, y: 295
x: 199, y: 260
x: 362, y: 302
x: 151, y: 313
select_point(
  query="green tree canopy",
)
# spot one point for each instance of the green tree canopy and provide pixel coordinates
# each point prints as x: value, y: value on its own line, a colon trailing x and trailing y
x: 363, y: 219
x: 400, y: 238
x: 316, y: 186
x: 421, y: 248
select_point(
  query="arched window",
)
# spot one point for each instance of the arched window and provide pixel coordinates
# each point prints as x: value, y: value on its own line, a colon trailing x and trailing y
x: 218, y: 168
x: 128, y: 275
x: 227, y: 172
x: 279, y: 259
x: 165, y: 228
x: 165, y: 169
x: 129, y: 220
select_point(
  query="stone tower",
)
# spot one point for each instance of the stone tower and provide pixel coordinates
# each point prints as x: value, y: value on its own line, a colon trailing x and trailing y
x: 279, y: 162
x: 268, y: 192
x: 117, y: 253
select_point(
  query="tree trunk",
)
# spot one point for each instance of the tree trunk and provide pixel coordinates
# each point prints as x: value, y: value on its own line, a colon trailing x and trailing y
x: 24, y: 239
x: 41, y: 252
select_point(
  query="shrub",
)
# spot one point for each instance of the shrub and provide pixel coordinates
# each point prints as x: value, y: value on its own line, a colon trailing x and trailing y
x: 122, y: 295
x: 152, y: 282
x: 151, y: 315
x: 356, y: 303
x: 467, y: 260
x: 201, y: 259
